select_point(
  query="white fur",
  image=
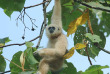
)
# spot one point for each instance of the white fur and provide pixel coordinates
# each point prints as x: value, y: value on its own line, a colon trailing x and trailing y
x: 57, y: 44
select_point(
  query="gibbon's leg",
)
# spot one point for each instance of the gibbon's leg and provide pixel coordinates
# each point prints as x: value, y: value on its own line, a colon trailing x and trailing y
x: 56, y: 16
x: 43, y: 67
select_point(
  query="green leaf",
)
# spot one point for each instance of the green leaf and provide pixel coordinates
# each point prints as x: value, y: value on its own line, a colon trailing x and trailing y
x: 5, y: 40
x: 2, y: 43
x: 104, y: 23
x: 2, y: 64
x: 94, y: 72
x: 95, y: 69
x: 30, y: 57
x: 29, y: 44
x: 80, y: 37
x: 67, y: 14
x: 7, y: 12
x: 93, y: 38
x: 69, y: 70
x: 67, y: 5
x: 16, y: 59
x: 97, y: 4
x: 12, y: 5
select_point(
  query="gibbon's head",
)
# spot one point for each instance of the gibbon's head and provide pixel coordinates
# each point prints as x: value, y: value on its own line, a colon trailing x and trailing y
x: 53, y: 31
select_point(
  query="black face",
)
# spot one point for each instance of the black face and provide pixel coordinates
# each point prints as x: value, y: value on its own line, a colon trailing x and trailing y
x: 51, y: 29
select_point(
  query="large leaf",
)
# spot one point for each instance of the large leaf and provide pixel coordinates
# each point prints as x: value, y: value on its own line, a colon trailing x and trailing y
x: 68, y: 16
x: 95, y: 69
x: 104, y: 23
x: 70, y: 69
x: 80, y: 37
x: 79, y: 21
x: 92, y: 50
x: 12, y: 5
x: 16, y: 59
x: 30, y: 57
x: 2, y: 64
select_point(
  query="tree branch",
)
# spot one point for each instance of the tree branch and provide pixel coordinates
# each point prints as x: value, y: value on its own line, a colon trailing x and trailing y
x: 5, y: 72
x: 36, y: 5
x: 91, y: 6
x: 88, y: 55
x: 19, y: 43
x: 44, y: 24
x: 97, y: 45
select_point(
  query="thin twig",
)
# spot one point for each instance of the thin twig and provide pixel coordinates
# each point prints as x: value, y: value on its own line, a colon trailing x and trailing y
x: 97, y: 45
x: 104, y: 50
x: 90, y: 27
x: 88, y: 55
x: 47, y: 4
x: 92, y: 6
x: 36, y: 5
x: 20, y: 43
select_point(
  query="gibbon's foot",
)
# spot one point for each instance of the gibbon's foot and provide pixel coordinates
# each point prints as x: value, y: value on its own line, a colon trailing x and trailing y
x: 38, y: 72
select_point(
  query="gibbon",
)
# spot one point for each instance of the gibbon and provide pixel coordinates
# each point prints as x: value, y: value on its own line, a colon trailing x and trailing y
x: 52, y: 56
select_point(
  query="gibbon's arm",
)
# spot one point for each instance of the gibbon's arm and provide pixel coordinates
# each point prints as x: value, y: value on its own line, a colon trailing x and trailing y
x: 56, y: 17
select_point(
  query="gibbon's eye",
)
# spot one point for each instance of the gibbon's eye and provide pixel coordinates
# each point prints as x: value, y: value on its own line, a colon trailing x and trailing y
x: 51, y: 29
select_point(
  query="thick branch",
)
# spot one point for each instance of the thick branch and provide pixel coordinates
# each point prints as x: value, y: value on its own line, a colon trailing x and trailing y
x: 20, y: 43
x: 92, y: 6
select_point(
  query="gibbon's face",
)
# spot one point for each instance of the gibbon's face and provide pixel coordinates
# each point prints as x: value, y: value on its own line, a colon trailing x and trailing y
x: 53, y: 30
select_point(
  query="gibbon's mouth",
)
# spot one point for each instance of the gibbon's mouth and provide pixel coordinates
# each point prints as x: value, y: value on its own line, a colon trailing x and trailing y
x: 51, y: 31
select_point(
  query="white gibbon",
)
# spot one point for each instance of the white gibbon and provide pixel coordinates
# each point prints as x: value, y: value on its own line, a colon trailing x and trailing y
x: 52, y: 56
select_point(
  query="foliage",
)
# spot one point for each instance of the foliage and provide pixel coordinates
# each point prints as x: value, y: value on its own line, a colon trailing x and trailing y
x: 2, y: 64
x: 11, y: 6
x: 71, y: 51
x: 78, y: 18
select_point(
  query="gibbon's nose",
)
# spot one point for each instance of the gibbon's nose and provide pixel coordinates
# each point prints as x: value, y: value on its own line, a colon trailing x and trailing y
x: 51, y: 29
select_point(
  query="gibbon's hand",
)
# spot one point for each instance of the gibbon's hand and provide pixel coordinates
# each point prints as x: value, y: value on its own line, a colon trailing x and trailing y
x: 40, y: 52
